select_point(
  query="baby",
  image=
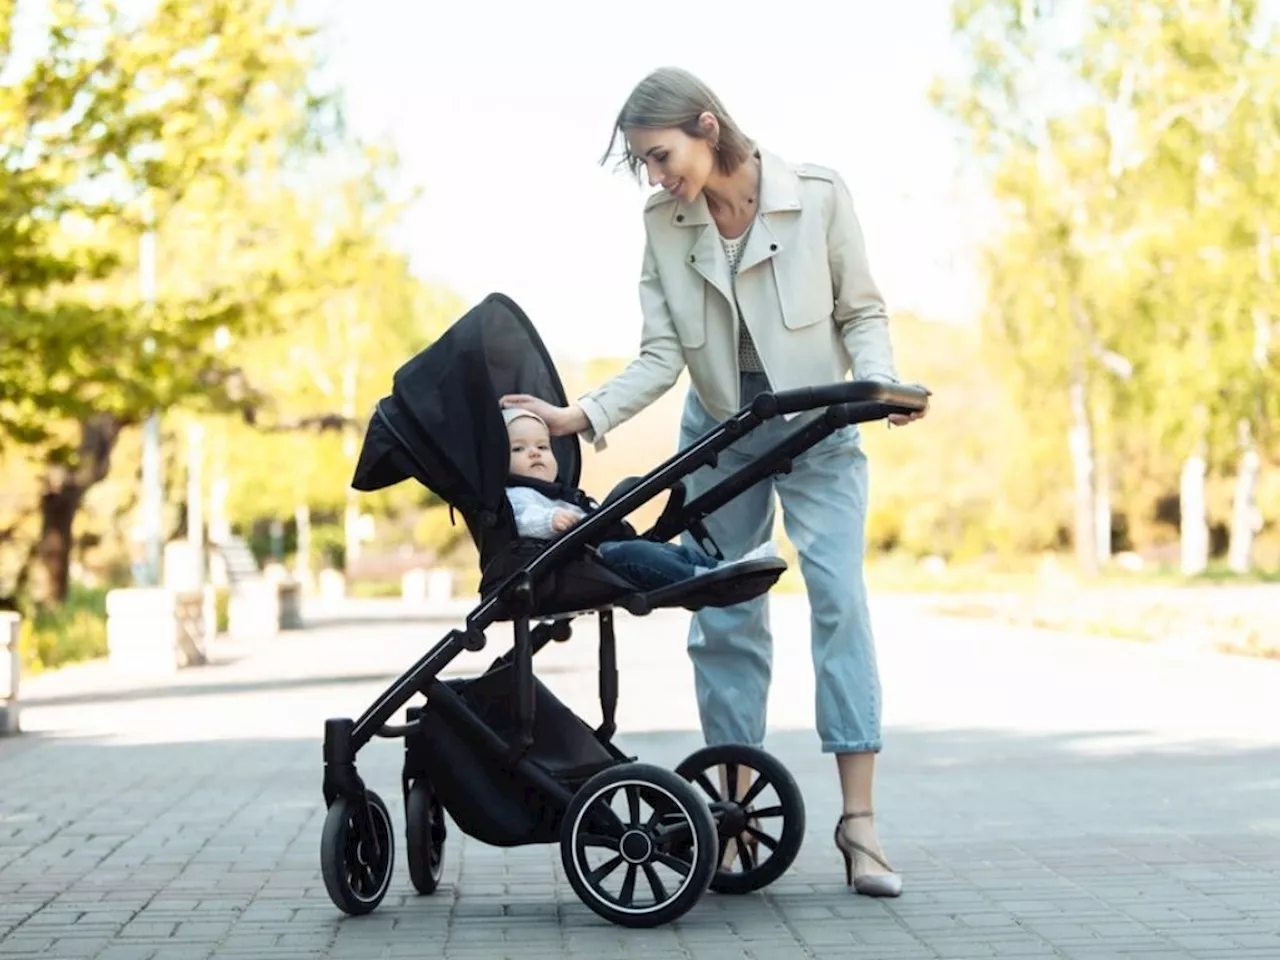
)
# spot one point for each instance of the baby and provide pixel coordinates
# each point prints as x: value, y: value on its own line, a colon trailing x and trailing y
x: 645, y: 563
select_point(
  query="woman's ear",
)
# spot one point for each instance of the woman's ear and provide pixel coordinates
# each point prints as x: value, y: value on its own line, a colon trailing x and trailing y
x: 709, y: 124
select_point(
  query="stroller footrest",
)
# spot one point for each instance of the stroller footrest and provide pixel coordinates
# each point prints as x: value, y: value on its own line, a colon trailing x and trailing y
x: 724, y: 586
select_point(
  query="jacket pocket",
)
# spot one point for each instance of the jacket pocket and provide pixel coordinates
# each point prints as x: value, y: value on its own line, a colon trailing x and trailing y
x: 689, y: 317
x: 804, y: 288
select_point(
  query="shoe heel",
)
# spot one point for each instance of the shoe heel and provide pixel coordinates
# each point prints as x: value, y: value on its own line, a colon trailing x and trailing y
x: 848, y: 860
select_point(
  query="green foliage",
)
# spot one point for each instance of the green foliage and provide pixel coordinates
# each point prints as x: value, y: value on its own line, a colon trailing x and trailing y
x: 72, y: 632
x: 278, y: 308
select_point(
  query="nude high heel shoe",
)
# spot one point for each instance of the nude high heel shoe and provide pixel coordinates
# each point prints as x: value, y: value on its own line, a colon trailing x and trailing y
x: 869, y: 885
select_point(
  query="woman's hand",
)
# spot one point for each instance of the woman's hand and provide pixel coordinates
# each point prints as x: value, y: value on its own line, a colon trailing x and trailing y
x: 560, y: 421
x: 902, y: 419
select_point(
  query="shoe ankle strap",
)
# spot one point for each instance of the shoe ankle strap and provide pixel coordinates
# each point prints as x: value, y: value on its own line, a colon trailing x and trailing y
x: 856, y: 816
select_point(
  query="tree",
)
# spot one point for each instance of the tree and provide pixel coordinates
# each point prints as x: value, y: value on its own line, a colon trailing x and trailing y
x: 1120, y: 284
x: 120, y: 128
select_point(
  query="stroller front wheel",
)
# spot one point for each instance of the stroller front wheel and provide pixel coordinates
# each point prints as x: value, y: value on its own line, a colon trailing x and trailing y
x: 356, y: 863
x: 638, y: 845
x: 424, y: 837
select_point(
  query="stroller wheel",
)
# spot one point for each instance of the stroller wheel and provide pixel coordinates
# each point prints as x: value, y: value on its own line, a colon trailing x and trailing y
x: 424, y: 837
x: 357, y: 867
x: 619, y: 840
x: 758, y: 809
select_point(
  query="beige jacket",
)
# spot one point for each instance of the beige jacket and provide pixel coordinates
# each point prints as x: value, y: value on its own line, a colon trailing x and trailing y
x: 803, y: 288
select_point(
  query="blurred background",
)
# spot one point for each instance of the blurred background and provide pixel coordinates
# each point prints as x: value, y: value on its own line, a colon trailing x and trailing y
x: 227, y: 222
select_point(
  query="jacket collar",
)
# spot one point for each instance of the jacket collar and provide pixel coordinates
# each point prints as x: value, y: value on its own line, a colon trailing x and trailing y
x: 779, y: 191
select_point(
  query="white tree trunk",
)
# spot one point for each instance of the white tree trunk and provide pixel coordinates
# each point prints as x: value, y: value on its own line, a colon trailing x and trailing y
x: 1102, y: 507
x: 302, y: 560
x: 1245, y: 521
x: 1245, y: 518
x: 1080, y: 441
x: 1194, y: 527
x: 351, y: 515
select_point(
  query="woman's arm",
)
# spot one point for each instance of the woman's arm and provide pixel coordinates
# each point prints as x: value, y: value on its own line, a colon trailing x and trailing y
x: 859, y: 308
x: 649, y: 375
x: 643, y: 381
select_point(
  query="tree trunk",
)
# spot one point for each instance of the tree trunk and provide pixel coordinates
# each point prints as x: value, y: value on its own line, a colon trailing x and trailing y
x: 1080, y: 440
x: 302, y: 560
x: 62, y: 493
x: 351, y: 514
x: 1193, y: 524
x: 1245, y: 521
x: 1244, y: 515
x: 1102, y: 505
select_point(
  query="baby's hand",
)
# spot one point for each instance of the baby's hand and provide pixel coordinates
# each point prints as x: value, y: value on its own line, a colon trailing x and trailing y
x: 562, y: 520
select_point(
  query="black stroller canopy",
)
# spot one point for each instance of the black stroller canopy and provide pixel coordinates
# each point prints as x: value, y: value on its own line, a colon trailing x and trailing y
x: 442, y: 424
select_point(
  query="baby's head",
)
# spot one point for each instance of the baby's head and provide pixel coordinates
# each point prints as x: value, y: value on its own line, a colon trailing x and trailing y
x: 531, y: 454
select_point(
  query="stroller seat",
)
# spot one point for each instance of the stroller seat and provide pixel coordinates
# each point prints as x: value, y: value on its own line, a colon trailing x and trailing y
x: 443, y: 426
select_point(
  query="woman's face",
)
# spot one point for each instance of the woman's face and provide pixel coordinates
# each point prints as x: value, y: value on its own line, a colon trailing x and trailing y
x: 681, y: 164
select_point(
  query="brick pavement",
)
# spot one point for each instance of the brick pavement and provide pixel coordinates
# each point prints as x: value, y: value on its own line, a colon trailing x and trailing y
x: 1045, y: 796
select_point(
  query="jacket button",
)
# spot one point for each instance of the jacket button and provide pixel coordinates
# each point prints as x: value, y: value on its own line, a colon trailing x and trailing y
x: 773, y: 246
x: 692, y: 258
x: 679, y: 218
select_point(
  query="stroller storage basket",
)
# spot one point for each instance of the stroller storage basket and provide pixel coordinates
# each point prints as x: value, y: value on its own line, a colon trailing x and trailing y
x: 473, y: 775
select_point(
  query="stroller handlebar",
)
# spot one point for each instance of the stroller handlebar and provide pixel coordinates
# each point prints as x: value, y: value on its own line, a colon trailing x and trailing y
x: 906, y: 397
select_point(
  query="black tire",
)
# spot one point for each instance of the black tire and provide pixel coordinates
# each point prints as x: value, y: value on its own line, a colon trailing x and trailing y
x: 734, y: 817
x: 678, y: 818
x: 424, y: 834
x: 356, y: 877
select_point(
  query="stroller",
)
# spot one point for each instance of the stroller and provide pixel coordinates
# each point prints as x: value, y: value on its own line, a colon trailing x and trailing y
x: 508, y: 761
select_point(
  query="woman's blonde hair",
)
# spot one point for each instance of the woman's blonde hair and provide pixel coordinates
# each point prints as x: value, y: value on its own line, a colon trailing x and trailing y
x: 671, y: 97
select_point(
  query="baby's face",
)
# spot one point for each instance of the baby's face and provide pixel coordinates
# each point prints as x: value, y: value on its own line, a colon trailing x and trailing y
x: 531, y: 454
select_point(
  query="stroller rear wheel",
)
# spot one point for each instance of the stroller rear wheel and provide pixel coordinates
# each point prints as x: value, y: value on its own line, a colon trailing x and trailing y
x: 619, y: 841
x: 356, y: 864
x: 759, y: 816
x: 424, y: 837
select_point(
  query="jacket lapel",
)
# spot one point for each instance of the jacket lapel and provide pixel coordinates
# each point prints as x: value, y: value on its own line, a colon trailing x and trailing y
x: 779, y: 207
x: 779, y: 202
x: 706, y: 255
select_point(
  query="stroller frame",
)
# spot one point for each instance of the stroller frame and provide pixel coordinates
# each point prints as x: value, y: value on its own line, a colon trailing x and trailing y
x: 357, y: 845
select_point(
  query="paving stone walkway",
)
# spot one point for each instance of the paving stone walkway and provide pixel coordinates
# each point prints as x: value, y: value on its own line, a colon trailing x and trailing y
x: 1044, y: 796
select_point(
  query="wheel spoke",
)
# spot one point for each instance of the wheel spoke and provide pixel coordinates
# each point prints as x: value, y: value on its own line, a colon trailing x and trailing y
x: 655, y: 884
x: 628, y: 893
x: 757, y: 788
x: 633, y: 808
x: 681, y: 867
x: 764, y: 838
x: 598, y: 840
x: 744, y: 855
x: 667, y: 834
x: 602, y: 871
x: 766, y: 812
x: 705, y: 783
x: 731, y: 778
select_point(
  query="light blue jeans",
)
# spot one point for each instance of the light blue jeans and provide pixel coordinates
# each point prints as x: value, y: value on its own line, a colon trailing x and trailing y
x: 824, y: 506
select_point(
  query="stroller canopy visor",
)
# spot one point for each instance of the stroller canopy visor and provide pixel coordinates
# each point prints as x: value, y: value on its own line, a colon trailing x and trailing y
x: 442, y: 424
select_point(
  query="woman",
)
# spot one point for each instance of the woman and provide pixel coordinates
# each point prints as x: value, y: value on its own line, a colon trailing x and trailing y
x: 755, y: 278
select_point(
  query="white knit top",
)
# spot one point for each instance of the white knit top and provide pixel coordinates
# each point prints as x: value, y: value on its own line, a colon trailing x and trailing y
x: 748, y: 358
